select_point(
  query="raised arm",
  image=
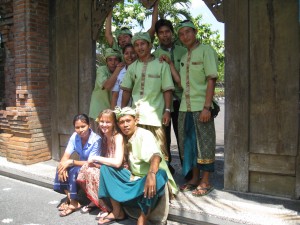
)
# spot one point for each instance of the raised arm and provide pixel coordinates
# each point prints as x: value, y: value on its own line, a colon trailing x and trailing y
x: 151, y: 31
x: 108, y: 33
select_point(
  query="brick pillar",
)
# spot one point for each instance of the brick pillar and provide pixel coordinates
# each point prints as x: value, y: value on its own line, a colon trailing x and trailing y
x: 29, y: 120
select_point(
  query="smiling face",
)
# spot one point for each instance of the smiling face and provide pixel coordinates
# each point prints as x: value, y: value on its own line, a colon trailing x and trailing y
x: 82, y: 129
x: 165, y: 35
x: 128, y: 125
x: 187, y: 36
x: 129, y: 55
x: 106, y: 124
x: 142, y: 48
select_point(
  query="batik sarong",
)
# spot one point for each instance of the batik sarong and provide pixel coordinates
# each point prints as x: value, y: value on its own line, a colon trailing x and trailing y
x: 197, y: 142
x: 88, y: 179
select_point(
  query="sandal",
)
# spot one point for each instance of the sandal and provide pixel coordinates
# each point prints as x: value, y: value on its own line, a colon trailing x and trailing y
x: 108, y: 220
x: 199, y: 191
x: 188, y: 187
x: 68, y: 211
x: 101, y: 214
x: 63, y: 206
x: 88, y: 209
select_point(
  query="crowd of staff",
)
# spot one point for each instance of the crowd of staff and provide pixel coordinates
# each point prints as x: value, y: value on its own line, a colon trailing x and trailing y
x: 137, y: 95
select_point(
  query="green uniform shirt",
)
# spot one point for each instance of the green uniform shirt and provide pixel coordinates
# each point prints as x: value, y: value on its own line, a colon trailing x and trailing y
x: 195, y: 67
x: 148, y: 81
x: 175, y: 54
x: 100, y: 99
x: 142, y: 146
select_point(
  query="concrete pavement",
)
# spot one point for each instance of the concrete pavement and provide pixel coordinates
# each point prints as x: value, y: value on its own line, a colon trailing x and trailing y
x: 219, y: 207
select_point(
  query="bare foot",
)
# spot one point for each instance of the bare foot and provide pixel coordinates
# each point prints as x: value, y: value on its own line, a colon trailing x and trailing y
x: 142, y: 220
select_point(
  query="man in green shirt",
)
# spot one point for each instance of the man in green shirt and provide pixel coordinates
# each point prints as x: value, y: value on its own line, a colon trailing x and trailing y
x: 150, y: 84
x: 101, y: 94
x: 147, y: 177
x: 197, y: 138
x: 165, y: 33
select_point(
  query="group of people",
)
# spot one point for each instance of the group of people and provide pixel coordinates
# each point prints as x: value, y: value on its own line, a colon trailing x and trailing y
x: 138, y: 95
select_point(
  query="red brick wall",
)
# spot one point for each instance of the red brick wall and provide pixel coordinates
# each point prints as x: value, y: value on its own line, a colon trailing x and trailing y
x: 28, y: 121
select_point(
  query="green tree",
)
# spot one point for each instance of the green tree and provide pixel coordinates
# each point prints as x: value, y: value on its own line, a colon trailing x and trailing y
x: 131, y: 14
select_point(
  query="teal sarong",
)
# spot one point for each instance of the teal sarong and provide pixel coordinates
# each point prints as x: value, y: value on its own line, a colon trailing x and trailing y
x: 116, y: 184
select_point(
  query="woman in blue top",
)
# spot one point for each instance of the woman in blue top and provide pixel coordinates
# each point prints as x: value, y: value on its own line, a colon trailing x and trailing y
x: 85, y: 143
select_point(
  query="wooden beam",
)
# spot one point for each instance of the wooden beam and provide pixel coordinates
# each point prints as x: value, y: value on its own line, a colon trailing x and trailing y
x: 237, y: 95
x: 100, y: 10
x: 216, y: 7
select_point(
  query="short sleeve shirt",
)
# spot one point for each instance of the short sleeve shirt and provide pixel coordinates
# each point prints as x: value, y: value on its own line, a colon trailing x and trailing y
x: 91, y: 148
x: 196, y: 66
x: 148, y: 81
x: 100, y: 98
x: 117, y: 88
x: 142, y: 146
x: 175, y: 53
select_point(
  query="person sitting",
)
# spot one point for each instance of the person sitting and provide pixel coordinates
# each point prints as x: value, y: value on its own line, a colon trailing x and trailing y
x: 145, y: 182
x: 112, y: 154
x: 85, y: 143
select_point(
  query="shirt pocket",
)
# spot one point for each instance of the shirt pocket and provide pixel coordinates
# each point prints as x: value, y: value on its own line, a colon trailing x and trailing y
x: 153, y: 76
x: 197, y: 63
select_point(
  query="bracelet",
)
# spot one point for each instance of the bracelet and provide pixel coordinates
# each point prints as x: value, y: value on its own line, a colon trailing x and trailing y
x: 168, y: 110
x: 73, y: 162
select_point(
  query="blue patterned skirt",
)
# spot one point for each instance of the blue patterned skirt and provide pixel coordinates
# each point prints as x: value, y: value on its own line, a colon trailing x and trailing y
x: 69, y: 185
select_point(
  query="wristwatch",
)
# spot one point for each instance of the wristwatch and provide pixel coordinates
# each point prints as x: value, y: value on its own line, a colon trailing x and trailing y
x: 207, y: 108
x: 168, y: 110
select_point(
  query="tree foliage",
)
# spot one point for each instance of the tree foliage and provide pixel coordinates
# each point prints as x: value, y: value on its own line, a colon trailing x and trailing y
x: 131, y: 14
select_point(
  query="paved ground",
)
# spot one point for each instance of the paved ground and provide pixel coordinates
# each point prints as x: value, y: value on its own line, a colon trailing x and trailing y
x: 219, y: 207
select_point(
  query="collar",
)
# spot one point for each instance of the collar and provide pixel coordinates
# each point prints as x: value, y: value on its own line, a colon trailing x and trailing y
x: 151, y: 58
x: 196, y: 44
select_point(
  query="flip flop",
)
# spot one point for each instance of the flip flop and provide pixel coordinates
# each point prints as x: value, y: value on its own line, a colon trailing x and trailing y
x: 68, y: 211
x: 112, y: 220
x: 198, y: 192
x: 101, y: 214
x: 188, y: 187
x: 87, y: 209
x: 63, y: 206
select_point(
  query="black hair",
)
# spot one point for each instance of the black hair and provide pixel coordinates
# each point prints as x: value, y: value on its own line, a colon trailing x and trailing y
x: 83, y: 117
x: 126, y: 46
x: 126, y: 28
x: 163, y: 22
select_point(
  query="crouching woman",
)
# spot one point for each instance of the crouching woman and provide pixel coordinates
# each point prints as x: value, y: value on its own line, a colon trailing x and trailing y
x: 85, y: 143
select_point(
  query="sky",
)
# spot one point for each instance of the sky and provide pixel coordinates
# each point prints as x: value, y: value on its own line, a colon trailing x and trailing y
x: 199, y: 7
